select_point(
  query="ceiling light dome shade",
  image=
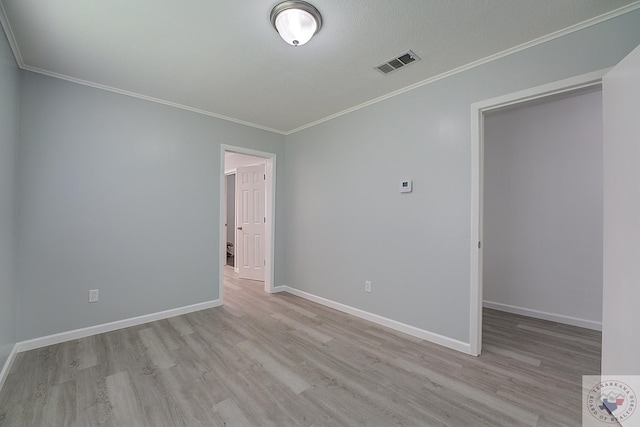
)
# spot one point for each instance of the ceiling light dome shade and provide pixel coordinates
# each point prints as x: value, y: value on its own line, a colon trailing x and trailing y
x: 296, y: 21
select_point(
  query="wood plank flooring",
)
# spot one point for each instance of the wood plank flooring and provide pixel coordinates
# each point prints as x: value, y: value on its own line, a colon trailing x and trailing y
x: 278, y: 360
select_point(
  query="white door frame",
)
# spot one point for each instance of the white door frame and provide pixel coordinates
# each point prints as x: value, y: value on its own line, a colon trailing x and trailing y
x: 477, y: 164
x: 270, y: 211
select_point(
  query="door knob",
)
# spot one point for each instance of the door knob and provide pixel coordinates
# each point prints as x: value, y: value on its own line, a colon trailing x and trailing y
x: 239, y: 228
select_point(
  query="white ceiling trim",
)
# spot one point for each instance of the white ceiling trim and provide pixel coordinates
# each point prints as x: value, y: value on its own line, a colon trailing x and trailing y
x: 593, y: 21
x: 540, y: 40
x: 18, y: 56
x: 10, y: 36
x: 146, y: 98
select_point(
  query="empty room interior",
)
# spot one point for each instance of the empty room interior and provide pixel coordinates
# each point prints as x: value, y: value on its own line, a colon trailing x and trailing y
x: 407, y: 213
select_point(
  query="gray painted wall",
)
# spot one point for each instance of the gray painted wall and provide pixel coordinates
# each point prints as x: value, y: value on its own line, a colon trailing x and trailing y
x: 9, y: 85
x: 543, y: 207
x: 415, y: 248
x: 119, y: 194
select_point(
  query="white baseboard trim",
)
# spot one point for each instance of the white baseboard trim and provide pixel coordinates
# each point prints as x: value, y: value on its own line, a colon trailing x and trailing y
x: 7, y: 365
x: 389, y: 323
x: 558, y: 318
x: 277, y: 289
x: 112, y: 326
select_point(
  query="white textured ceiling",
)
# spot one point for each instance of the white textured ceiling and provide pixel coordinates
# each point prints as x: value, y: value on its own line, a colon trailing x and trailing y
x: 224, y: 58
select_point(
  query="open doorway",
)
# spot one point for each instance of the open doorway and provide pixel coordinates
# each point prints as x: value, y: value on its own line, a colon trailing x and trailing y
x: 230, y: 219
x: 479, y: 111
x: 543, y: 209
x: 234, y: 160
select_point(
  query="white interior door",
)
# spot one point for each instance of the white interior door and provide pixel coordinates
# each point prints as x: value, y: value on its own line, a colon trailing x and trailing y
x: 250, y: 212
x: 620, y: 313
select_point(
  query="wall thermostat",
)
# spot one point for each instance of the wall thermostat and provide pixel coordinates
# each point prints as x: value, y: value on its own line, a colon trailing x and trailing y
x: 406, y: 186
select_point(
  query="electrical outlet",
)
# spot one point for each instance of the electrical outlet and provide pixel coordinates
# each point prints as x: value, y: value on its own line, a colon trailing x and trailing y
x: 93, y: 295
x: 367, y: 286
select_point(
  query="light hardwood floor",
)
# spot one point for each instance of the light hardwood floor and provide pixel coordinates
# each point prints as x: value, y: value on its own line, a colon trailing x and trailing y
x: 278, y: 360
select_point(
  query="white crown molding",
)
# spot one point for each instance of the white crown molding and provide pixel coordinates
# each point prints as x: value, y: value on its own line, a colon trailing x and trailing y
x: 577, y: 27
x: 4, y: 21
x: 10, y: 36
x: 383, y: 321
x: 146, y: 98
x: 112, y: 326
x: 589, y: 22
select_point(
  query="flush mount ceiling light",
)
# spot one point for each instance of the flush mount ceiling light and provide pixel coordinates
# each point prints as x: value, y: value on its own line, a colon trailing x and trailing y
x: 296, y: 21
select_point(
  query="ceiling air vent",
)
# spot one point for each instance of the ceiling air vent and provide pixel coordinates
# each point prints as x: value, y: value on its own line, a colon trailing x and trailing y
x: 395, y: 63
